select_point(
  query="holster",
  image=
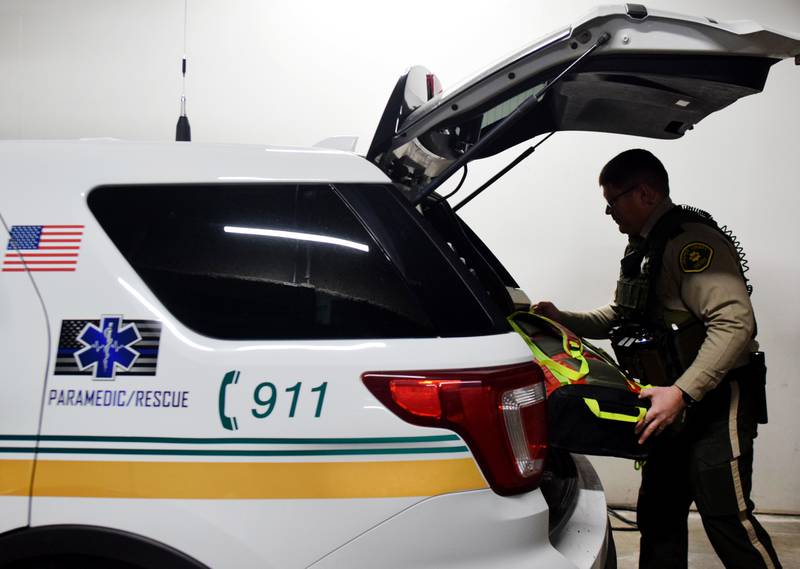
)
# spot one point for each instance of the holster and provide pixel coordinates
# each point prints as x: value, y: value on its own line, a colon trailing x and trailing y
x: 752, y: 380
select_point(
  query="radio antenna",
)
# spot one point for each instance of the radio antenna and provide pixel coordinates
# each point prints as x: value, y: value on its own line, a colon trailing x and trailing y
x: 183, y: 131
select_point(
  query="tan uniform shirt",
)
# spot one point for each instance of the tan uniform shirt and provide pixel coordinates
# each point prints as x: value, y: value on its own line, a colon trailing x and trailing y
x: 693, y: 281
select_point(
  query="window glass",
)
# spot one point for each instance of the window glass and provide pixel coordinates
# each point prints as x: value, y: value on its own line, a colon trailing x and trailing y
x: 261, y: 262
x: 456, y: 301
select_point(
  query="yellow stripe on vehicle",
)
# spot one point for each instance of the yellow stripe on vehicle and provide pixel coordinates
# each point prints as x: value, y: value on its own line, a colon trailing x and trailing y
x: 15, y: 477
x: 249, y: 480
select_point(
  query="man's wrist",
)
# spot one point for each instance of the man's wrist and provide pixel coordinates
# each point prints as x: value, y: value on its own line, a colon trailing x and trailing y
x: 687, y: 399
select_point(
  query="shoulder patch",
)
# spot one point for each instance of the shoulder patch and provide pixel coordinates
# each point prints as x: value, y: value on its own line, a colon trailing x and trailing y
x: 696, y: 257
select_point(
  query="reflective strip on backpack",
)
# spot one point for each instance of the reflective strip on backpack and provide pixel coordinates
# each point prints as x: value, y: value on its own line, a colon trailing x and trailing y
x: 572, y: 346
x: 594, y: 407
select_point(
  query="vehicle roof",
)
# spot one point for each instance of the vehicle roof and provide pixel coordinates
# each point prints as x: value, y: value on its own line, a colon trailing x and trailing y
x: 88, y: 163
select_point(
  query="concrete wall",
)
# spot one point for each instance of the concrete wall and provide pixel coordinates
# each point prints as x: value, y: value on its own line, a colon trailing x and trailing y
x: 295, y: 73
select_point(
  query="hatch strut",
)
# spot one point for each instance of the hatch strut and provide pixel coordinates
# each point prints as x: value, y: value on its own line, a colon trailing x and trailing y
x: 507, y: 123
x: 501, y: 173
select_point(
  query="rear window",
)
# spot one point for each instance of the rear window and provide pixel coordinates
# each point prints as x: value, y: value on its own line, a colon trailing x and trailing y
x: 267, y: 262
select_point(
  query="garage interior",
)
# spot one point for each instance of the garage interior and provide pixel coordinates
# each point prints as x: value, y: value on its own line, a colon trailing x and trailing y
x: 90, y: 68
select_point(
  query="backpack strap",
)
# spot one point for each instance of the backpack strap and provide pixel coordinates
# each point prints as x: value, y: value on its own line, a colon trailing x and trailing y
x: 571, y: 344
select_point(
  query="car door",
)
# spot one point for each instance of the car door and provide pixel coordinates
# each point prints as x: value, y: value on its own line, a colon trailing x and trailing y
x: 23, y: 355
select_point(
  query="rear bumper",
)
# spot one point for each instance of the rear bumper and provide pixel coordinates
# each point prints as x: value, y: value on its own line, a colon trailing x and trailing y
x: 582, y: 536
x: 479, y: 529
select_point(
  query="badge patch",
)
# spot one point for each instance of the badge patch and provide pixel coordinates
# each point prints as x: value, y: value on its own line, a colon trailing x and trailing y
x: 108, y: 347
x: 696, y: 257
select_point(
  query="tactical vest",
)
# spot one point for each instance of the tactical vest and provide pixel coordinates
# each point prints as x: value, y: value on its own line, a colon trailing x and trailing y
x: 648, y: 347
x: 641, y: 265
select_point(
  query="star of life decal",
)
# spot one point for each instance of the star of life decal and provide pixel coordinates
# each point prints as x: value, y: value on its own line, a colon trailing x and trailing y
x: 108, y: 347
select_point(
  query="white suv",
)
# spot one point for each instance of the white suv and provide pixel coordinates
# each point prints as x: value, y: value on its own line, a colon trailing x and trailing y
x: 230, y: 356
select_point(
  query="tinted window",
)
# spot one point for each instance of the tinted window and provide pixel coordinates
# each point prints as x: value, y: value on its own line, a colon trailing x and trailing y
x: 266, y: 262
x: 456, y: 301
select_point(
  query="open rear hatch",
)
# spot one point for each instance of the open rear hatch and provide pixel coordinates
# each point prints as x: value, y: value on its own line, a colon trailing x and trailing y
x: 621, y: 69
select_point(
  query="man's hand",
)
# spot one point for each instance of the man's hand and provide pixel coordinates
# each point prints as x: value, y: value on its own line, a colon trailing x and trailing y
x: 666, y: 403
x: 547, y: 309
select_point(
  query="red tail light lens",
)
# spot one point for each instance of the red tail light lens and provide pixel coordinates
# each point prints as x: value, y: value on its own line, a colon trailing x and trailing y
x: 420, y: 398
x: 498, y: 411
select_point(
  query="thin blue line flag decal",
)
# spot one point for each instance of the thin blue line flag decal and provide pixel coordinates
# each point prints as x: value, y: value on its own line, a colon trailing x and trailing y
x: 108, y: 347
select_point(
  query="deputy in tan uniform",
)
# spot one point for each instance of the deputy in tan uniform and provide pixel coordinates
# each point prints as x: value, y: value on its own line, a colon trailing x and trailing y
x: 682, y: 321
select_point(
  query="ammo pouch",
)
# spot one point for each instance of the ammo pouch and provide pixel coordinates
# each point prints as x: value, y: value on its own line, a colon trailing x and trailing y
x: 655, y: 354
x: 592, y: 407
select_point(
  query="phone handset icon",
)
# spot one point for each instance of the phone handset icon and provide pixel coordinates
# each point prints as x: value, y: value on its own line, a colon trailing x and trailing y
x: 228, y: 423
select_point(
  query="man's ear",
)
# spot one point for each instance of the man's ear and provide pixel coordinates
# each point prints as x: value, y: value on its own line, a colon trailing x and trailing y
x: 651, y: 196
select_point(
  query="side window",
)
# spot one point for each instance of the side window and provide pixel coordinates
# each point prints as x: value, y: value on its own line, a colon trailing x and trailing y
x: 260, y: 262
x: 477, y: 258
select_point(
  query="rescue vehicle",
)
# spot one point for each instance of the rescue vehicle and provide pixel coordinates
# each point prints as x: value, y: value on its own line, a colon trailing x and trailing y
x: 247, y: 356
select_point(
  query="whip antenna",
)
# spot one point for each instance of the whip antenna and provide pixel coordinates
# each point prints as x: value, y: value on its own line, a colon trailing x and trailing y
x: 183, y: 131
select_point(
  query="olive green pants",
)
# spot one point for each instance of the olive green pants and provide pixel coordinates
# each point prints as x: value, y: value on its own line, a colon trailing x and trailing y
x: 708, y: 460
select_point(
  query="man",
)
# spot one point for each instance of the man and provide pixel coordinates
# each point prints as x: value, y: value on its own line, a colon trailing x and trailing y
x: 681, y: 278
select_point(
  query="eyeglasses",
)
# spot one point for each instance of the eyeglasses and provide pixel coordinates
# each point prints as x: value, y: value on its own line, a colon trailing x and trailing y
x: 610, y: 203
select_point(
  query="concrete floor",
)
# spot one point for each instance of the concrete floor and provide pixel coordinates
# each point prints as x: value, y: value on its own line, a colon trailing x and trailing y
x: 784, y: 531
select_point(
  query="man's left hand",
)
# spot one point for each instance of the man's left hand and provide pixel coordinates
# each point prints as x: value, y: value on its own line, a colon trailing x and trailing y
x: 666, y: 403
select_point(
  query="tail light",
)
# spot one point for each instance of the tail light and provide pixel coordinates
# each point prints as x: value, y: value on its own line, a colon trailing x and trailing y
x: 498, y: 411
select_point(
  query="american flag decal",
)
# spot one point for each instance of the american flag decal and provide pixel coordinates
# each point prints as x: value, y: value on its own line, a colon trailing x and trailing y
x: 52, y: 248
